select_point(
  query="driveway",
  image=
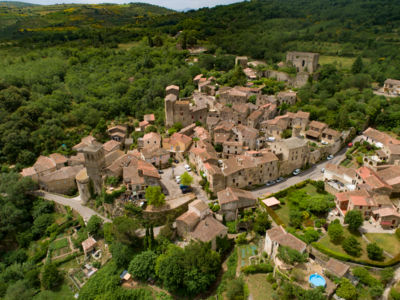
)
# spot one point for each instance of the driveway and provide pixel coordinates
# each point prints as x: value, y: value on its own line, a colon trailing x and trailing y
x: 313, y: 173
x: 74, y: 203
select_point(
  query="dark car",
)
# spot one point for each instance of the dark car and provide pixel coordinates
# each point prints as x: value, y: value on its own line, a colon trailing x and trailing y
x: 160, y: 172
x: 176, y: 161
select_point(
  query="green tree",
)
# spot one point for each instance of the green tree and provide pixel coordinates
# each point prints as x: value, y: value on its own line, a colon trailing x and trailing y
x: 291, y: 256
x: 142, y: 266
x: 261, y: 222
x: 335, y: 232
x: 51, y: 277
x: 235, y: 289
x: 351, y: 246
x: 121, y: 254
x: 186, y: 179
x: 18, y: 291
x: 374, y: 251
x: 295, y: 218
x: 155, y: 196
x: 346, y: 290
x: 94, y: 224
x: 387, y: 275
x: 354, y: 219
x: 357, y: 65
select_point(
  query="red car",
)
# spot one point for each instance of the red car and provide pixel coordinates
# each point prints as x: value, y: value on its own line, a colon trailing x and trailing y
x: 350, y: 144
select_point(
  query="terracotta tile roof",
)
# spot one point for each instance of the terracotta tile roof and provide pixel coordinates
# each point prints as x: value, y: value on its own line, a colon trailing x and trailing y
x: 336, y: 267
x: 390, y: 175
x: 148, y: 169
x: 371, y: 178
x: 380, y: 137
x: 358, y: 197
x: 212, y: 169
x: 84, y: 143
x: 312, y: 133
x: 117, y: 128
x: 28, y: 172
x: 231, y: 194
x: 154, y: 152
x: 392, y: 81
x: 318, y: 125
x: 293, y: 143
x: 387, y: 212
x: 279, y: 235
x: 255, y: 115
x: 302, y: 115
x: 189, y: 218
x: 198, y: 77
x: 172, y: 87
x: 272, y: 201
x: 332, y: 132
x: 131, y: 175
x: 113, y: 157
x: 58, y: 158
x: 44, y: 163
x: 88, y: 244
x: 143, y: 124
x: 199, y: 204
x: 201, y: 133
x: 64, y: 173
x: 208, y: 229
x: 111, y: 145
x: 151, y: 135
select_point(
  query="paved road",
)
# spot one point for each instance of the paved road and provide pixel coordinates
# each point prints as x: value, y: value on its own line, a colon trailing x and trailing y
x: 313, y: 173
x: 395, y: 279
x: 74, y: 203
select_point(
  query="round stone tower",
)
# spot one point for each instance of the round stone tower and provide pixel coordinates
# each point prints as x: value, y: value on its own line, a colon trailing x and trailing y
x: 83, y: 183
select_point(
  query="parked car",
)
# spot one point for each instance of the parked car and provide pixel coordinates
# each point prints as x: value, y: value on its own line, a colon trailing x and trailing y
x: 280, y: 179
x: 271, y: 139
x: 324, y: 143
x: 160, y: 172
x: 188, y: 168
x: 350, y: 144
x: 185, y: 188
x: 176, y: 161
x: 329, y: 157
x: 296, y: 172
x: 323, y: 170
x: 178, y: 179
x: 269, y: 183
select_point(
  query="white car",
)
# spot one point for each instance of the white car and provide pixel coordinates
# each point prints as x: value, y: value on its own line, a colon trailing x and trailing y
x: 323, y: 170
x: 329, y: 157
x: 271, y: 139
x: 296, y: 172
x: 188, y: 168
x: 324, y: 143
x: 178, y: 179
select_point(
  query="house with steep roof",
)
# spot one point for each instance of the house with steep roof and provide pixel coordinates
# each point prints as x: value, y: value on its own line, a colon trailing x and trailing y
x: 359, y: 200
x: 177, y: 144
x: 369, y: 180
x: 339, y: 178
x: 337, y: 268
x: 387, y: 217
x: 149, y: 118
x: 330, y: 136
x: 315, y: 130
x: 208, y: 230
x: 232, y: 96
x: 158, y: 157
x: 61, y: 181
x: 232, y: 200
x: 151, y: 140
x: 277, y: 236
x: 118, y: 133
x: 382, y: 140
x: 287, y: 97
x: 111, y: 146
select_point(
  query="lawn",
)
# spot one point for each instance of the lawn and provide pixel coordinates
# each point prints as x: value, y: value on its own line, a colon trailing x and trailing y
x: 59, y: 244
x: 259, y: 287
x: 388, y: 242
x: 325, y: 241
x: 342, y: 62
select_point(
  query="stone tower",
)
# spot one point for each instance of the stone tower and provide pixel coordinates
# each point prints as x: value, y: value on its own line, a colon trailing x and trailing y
x: 296, y: 129
x: 83, y: 183
x: 172, y: 95
x: 94, y: 163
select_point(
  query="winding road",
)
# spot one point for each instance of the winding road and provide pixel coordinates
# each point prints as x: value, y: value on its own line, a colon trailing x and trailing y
x: 74, y: 203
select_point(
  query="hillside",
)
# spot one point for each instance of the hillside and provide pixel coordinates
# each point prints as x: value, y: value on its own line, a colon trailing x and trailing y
x: 15, y: 4
x: 71, y: 17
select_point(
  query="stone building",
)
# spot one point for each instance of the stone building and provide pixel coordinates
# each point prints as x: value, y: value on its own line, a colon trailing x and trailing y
x: 232, y: 96
x: 61, y: 181
x: 391, y: 87
x: 277, y: 236
x: 289, y: 98
x: 182, y: 111
x: 303, y: 61
x: 231, y: 200
x: 251, y: 168
x: 83, y: 183
x: 241, y: 61
x: 315, y: 130
x: 292, y: 152
x: 94, y: 163
x: 118, y: 133
x: 151, y: 140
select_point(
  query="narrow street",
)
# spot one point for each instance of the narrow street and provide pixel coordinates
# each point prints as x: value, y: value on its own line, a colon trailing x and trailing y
x: 74, y: 203
x: 313, y: 173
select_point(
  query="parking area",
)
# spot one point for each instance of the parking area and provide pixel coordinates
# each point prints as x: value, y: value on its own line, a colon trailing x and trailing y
x: 171, y: 188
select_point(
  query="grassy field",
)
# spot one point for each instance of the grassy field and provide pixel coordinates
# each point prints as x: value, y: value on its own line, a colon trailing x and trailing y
x: 325, y: 241
x: 259, y: 287
x: 388, y: 242
x: 58, y: 244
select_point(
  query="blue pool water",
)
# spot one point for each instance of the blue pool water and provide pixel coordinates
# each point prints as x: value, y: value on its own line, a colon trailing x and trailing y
x: 317, y: 280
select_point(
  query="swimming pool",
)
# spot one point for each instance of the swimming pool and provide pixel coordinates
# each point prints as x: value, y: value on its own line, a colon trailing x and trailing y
x: 317, y: 280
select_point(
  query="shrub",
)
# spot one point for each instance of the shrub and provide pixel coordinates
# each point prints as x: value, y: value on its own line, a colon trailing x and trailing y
x: 352, y: 246
x: 346, y: 290
x: 374, y: 252
x: 335, y: 232
x: 235, y: 289
x: 354, y: 219
x: 260, y: 268
x: 241, y: 239
x: 398, y: 233
x: 365, y: 277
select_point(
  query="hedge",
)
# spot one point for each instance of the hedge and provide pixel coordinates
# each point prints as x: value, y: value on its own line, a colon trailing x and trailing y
x: 260, y: 268
x: 395, y: 260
